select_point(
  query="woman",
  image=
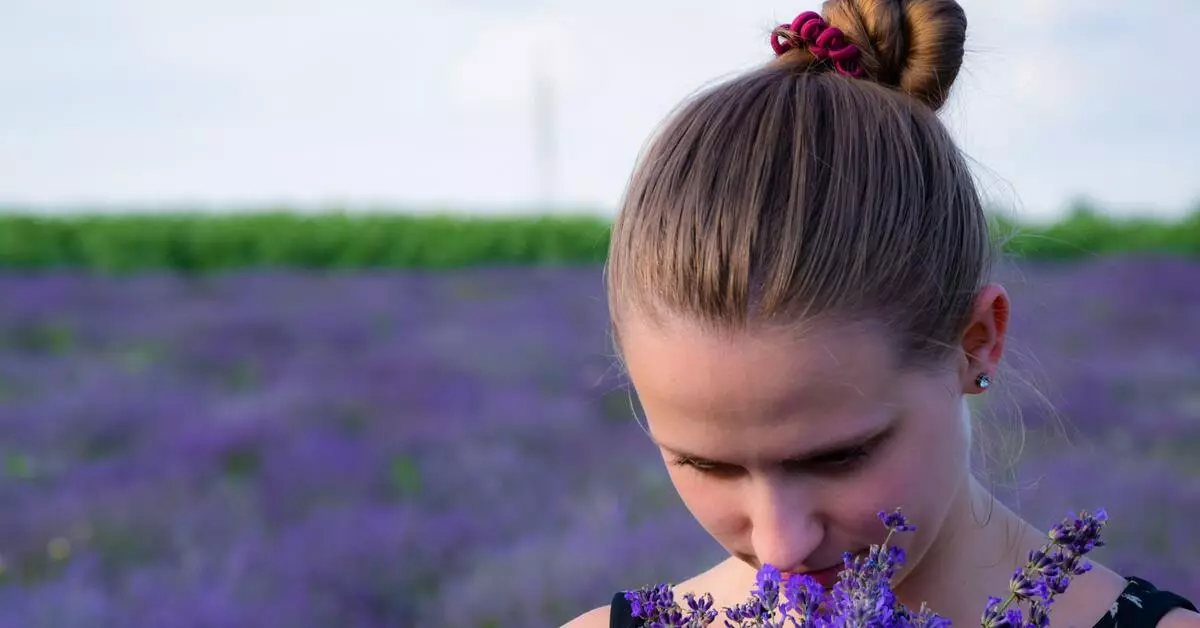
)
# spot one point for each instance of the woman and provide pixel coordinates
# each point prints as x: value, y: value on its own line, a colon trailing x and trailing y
x: 799, y: 284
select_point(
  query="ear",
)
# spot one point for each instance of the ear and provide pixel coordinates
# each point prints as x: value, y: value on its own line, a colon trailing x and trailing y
x: 983, y: 340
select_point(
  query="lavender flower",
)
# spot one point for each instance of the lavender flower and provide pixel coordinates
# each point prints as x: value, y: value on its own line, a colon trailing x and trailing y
x: 203, y: 445
x: 1048, y: 572
x: 863, y: 596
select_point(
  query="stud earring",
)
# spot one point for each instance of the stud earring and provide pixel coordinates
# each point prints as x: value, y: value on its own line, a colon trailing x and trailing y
x: 983, y: 381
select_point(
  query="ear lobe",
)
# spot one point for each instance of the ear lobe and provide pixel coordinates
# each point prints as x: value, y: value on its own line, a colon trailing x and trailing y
x: 983, y: 339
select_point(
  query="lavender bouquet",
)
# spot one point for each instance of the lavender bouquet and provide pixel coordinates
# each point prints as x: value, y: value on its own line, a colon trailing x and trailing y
x: 863, y: 596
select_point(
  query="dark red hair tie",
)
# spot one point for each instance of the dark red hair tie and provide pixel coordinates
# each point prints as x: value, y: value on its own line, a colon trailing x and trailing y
x: 823, y: 41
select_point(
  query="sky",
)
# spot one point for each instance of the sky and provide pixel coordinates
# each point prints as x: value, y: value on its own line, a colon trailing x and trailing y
x: 161, y: 105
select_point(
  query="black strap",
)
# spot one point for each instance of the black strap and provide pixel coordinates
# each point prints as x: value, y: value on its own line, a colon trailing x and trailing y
x: 1142, y: 605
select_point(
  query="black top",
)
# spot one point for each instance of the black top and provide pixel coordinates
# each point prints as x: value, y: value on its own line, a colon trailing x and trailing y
x: 1141, y: 605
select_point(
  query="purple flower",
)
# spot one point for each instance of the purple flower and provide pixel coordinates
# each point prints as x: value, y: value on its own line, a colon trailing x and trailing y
x: 1045, y: 564
x: 268, y: 448
x: 1025, y: 587
x: 895, y: 521
x: 702, y: 607
x: 863, y: 596
x: 1080, y: 534
x: 803, y: 596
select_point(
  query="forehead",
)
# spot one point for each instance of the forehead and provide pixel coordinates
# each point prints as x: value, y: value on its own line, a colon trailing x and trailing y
x: 681, y: 370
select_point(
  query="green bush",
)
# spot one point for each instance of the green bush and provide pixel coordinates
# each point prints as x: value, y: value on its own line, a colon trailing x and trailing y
x: 196, y: 244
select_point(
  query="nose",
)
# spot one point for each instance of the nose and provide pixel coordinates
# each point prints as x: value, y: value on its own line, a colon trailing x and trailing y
x: 786, y: 529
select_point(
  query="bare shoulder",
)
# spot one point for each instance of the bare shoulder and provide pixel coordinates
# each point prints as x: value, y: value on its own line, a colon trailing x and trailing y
x: 596, y: 618
x: 708, y: 582
x: 714, y: 581
x: 1180, y: 618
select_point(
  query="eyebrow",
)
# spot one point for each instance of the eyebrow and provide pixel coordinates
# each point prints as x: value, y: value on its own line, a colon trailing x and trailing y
x: 828, y: 450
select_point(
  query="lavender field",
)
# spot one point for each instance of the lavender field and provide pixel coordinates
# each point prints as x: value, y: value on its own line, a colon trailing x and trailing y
x: 458, y: 449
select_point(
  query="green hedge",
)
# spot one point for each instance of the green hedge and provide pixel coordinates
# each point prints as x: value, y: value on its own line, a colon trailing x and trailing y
x: 206, y: 243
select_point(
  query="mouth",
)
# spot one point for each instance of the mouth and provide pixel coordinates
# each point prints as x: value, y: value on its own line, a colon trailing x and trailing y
x: 826, y: 576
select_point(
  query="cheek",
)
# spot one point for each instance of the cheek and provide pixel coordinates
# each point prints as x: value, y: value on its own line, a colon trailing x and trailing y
x: 920, y: 477
x: 854, y: 506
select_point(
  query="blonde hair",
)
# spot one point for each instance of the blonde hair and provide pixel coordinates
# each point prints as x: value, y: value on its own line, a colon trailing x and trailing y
x: 794, y: 192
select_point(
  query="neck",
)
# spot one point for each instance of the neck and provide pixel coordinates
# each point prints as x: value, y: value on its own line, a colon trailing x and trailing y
x: 973, y: 555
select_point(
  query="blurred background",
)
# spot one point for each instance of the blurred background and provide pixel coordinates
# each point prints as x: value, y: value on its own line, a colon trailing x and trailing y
x: 302, y: 320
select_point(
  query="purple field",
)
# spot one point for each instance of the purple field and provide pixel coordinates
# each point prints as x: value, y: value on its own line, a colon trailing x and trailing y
x: 399, y: 450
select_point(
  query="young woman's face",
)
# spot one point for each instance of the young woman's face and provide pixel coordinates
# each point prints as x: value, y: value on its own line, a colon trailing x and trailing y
x: 785, y: 449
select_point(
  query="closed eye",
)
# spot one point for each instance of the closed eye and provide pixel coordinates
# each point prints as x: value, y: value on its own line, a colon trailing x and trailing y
x: 842, y: 461
x: 705, y: 467
x: 830, y: 464
x: 693, y: 463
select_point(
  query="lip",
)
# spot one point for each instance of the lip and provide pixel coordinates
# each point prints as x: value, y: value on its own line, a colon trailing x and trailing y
x: 826, y: 577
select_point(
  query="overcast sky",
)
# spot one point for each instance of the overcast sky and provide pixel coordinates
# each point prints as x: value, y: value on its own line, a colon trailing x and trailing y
x: 179, y: 103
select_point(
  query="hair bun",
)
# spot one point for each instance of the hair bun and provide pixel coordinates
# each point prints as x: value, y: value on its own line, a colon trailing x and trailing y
x: 915, y: 46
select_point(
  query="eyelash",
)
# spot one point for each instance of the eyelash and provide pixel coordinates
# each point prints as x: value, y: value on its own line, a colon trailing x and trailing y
x: 845, y: 462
